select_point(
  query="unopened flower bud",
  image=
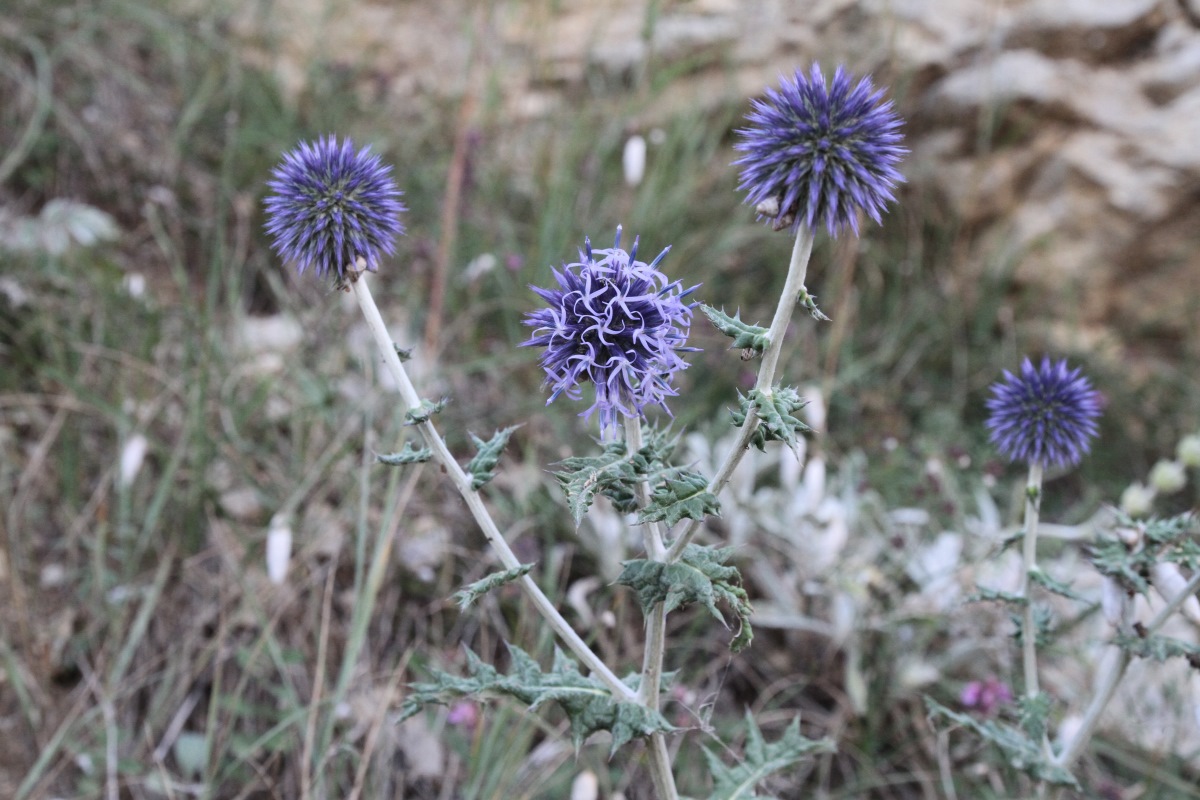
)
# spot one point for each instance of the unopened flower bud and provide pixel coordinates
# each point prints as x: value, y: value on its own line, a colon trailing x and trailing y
x: 1168, y: 477
x: 1188, y: 450
x: 1137, y: 500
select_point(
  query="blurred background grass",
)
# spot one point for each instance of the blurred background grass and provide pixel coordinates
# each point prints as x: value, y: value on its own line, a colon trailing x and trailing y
x: 144, y: 651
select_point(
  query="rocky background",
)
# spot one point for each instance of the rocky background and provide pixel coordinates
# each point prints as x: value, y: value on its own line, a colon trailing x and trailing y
x: 1062, y: 135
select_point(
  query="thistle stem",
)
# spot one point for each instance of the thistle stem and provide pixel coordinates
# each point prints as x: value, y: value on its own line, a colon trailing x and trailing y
x: 462, y: 482
x: 793, y: 288
x: 1033, y: 505
x: 656, y: 627
x: 1112, y: 678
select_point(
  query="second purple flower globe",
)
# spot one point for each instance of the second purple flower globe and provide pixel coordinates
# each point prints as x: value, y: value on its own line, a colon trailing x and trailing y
x: 616, y: 323
x: 821, y: 152
x: 1045, y: 415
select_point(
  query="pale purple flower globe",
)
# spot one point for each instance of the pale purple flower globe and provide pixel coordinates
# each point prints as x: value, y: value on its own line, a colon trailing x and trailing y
x: 333, y: 205
x: 818, y: 153
x: 1045, y: 415
x: 616, y: 323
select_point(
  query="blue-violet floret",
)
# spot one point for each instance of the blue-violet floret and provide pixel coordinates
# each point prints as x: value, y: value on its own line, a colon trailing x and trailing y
x: 815, y: 154
x: 1045, y: 415
x: 332, y: 206
x: 616, y: 323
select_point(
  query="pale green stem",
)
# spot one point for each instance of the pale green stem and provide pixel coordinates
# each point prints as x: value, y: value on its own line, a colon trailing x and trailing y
x: 793, y: 288
x: 1112, y: 678
x: 656, y: 626
x: 1033, y: 504
x: 462, y: 482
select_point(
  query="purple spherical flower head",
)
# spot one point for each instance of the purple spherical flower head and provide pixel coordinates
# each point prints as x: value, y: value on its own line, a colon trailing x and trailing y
x: 332, y: 206
x: 617, y: 323
x: 815, y: 154
x: 1046, y: 415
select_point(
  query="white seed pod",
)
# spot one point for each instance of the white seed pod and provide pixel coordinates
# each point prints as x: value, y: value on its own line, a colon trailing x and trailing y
x: 633, y: 159
x: 279, y: 549
x: 132, y: 456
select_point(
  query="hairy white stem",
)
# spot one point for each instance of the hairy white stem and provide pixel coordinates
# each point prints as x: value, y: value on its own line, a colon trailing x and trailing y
x: 656, y: 628
x: 793, y: 286
x: 462, y: 482
x: 1033, y: 505
x: 1112, y: 675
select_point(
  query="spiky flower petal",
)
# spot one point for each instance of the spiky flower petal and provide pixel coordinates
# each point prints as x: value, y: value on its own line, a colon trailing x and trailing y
x: 616, y: 323
x: 1046, y: 415
x: 332, y: 206
x: 815, y: 154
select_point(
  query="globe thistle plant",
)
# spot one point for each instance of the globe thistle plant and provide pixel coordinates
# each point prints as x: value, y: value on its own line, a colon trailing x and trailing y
x: 816, y: 153
x: 616, y: 323
x: 333, y: 206
x: 1045, y: 415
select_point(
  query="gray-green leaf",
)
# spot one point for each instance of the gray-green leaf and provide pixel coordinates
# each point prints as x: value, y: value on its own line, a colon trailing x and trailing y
x: 685, y: 495
x: 587, y: 702
x: 473, y: 591
x: 775, y: 410
x: 745, y: 336
x: 699, y: 576
x: 480, y: 467
x: 761, y: 760
x: 409, y: 455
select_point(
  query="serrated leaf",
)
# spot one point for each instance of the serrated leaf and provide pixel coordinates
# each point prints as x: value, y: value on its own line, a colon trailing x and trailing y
x: 1055, y: 586
x: 745, y: 336
x: 588, y: 704
x: 684, y: 495
x: 423, y: 412
x: 480, y: 467
x: 1159, y: 648
x: 699, y: 576
x: 1021, y: 751
x: 775, y: 410
x: 409, y: 455
x: 761, y: 760
x: 995, y: 595
x: 615, y: 473
x: 473, y: 591
x: 1034, y: 713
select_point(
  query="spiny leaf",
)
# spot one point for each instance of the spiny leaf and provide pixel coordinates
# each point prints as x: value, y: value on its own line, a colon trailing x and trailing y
x: 685, y: 495
x: 761, y: 760
x: 404, y: 353
x: 775, y: 410
x: 409, y: 455
x: 1034, y: 714
x: 422, y: 413
x: 1022, y: 752
x: 1058, y: 587
x: 985, y: 595
x: 1160, y: 648
x: 699, y: 576
x: 473, y: 591
x: 588, y: 704
x: 614, y: 473
x: 745, y: 336
x: 480, y: 467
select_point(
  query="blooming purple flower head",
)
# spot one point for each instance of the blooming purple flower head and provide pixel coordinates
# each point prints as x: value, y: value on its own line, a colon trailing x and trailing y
x: 332, y: 206
x: 1046, y: 415
x: 815, y: 154
x: 617, y: 323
